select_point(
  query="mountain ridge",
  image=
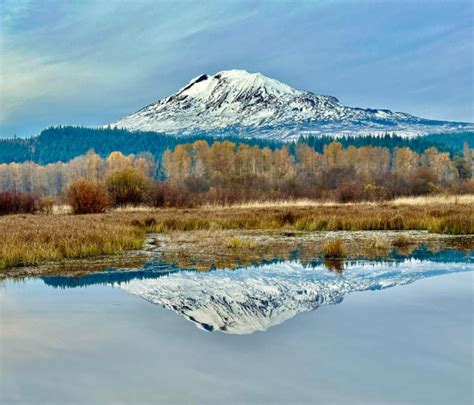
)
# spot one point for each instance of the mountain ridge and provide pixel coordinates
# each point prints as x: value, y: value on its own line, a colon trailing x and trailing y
x: 251, y: 104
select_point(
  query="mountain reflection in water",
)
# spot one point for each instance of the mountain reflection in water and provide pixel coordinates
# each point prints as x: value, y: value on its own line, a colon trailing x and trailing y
x: 255, y: 298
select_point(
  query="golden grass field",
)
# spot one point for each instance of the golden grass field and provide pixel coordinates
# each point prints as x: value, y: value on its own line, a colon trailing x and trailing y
x: 35, y: 239
x: 421, y: 200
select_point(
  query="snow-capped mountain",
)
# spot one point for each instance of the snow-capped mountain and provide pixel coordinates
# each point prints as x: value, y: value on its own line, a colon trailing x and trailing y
x: 250, y: 104
x: 256, y: 298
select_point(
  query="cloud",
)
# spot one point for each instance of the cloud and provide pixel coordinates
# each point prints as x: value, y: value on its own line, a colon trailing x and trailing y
x: 90, y: 62
x: 90, y: 50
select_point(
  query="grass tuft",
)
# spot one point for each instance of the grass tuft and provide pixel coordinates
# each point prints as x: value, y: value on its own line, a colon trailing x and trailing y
x: 377, y: 244
x: 238, y: 243
x: 402, y: 241
x: 334, y: 249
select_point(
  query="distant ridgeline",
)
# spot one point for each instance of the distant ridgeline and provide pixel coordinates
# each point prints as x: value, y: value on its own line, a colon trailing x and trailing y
x: 61, y: 144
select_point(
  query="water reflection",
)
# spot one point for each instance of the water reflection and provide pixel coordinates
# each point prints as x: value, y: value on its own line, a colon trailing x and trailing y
x: 157, y: 267
x: 257, y: 297
x: 335, y: 265
x: 206, y: 253
x: 111, y: 276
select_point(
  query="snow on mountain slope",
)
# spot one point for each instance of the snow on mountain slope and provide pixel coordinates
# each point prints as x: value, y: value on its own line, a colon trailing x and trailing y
x: 250, y: 104
x: 256, y: 298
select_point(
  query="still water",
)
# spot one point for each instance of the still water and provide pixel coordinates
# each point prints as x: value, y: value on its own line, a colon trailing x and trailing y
x: 391, y: 330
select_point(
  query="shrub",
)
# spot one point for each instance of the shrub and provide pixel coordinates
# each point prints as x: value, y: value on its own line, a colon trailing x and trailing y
x: 169, y: 195
x: 424, y: 181
x: 128, y: 186
x: 14, y: 202
x: 463, y: 187
x: 349, y: 191
x: 334, y: 249
x: 87, y: 197
x: 375, y: 193
x: 45, y: 205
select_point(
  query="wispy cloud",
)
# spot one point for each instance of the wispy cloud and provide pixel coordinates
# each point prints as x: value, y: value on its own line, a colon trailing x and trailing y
x: 90, y: 62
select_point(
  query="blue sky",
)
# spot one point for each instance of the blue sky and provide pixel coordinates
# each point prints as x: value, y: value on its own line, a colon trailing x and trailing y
x: 92, y: 62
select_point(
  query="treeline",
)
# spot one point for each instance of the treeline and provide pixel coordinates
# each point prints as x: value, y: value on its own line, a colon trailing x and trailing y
x: 61, y: 144
x: 53, y: 178
x: 444, y: 142
x: 227, y: 173
x: 224, y: 172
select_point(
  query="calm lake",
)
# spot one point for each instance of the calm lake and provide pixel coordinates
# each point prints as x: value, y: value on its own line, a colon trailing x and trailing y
x: 392, y: 330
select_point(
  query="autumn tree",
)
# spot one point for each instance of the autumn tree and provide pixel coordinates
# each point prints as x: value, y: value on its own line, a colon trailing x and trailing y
x: 405, y: 162
x: 333, y: 155
x: 128, y: 186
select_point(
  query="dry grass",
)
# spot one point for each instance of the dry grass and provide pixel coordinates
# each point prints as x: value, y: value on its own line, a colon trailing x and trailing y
x: 61, y: 209
x: 448, y: 219
x: 34, y: 239
x: 31, y: 240
x: 422, y: 200
x: 271, y: 204
x: 435, y: 199
x: 467, y: 199
x: 377, y: 244
x: 334, y: 249
x: 402, y: 241
x: 238, y: 243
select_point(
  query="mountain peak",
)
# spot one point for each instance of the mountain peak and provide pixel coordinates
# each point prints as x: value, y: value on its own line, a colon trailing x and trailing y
x: 234, y: 83
x: 251, y: 104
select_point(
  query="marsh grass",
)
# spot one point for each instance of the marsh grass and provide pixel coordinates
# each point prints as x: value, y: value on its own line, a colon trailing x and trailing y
x: 402, y: 241
x: 334, y: 249
x: 448, y: 219
x: 34, y: 239
x: 377, y: 244
x: 376, y: 247
x: 435, y: 200
x: 31, y: 240
x: 238, y: 243
x: 304, y: 202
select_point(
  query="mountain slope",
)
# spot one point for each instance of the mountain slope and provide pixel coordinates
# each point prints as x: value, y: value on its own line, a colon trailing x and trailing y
x: 241, y: 103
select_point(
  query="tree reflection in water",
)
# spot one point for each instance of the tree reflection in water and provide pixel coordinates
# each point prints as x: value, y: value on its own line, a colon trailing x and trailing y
x: 334, y: 265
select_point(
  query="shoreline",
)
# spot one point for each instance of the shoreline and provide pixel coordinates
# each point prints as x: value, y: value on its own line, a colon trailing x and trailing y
x: 204, y: 251
x: 32, y: 240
